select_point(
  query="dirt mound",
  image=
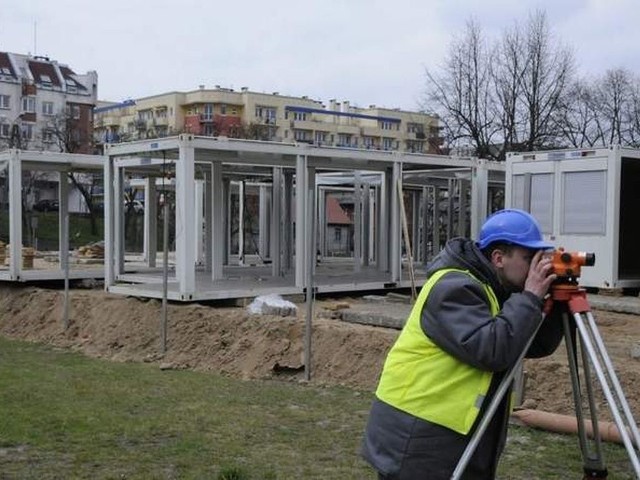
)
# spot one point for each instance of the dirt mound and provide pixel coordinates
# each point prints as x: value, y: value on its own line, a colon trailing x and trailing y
x: 228, y: 340
x: 234, y: 342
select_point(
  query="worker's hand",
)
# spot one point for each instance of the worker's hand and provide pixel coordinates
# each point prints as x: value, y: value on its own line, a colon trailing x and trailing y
x: 540, y: 275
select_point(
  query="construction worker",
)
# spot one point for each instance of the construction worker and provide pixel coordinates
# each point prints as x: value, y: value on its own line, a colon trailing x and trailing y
x: 480, y: 305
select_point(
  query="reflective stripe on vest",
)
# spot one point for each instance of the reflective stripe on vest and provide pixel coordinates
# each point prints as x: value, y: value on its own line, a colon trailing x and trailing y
x: 422, y: 379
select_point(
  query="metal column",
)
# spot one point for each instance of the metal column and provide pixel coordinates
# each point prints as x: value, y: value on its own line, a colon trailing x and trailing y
x: 109, y: 251
x: 395, y: 230
x: 322, y: 221
x: 479, y: 196
x: 241, y: 186
x: 218, y: 247
x: 301, y: 208
x: 276, y: 224
x: 63, y: 212
x: 366, y: 224
x: 185, y: 219
x: 15, y: 215
x: 150, y: 222
x: 208, y: 220
x: 415, y: 224
x: 198, y: 231
x: 287, y: 221
x: 357, y: 222
x: 463, y: 217
x: 383, y: 220
x: 118, y: 221
x: 264, y: 213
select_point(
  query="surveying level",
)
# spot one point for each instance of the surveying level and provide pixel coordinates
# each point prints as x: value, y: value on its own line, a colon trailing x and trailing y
x: 566, y: 292
x: 566, y: 265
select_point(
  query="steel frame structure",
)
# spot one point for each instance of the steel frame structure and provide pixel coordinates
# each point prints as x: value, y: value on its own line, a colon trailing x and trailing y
x: 16, y: 161
x: 297, y: 174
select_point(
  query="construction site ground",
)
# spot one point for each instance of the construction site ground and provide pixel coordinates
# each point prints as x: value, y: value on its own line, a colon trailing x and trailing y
x: 351, y: 336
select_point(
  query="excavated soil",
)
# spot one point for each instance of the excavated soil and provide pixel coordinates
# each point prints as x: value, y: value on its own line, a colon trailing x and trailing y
x: 231, y: 341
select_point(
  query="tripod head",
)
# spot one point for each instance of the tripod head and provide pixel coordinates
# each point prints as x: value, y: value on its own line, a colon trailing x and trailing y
x: 567, y: 266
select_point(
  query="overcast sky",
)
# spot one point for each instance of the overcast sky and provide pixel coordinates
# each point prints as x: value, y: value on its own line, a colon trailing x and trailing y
x: 364, y: 51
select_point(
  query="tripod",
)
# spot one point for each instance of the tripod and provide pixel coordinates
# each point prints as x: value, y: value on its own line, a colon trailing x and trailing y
x: 573, y: 300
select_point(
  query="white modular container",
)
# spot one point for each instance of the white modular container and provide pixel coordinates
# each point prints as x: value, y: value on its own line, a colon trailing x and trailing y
x: 585, y: 200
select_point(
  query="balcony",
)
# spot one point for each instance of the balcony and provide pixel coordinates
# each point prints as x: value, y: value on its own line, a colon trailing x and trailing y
x: 161, y: 121
x: 28, y: 88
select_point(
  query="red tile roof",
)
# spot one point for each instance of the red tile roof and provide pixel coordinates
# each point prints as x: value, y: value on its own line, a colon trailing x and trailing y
x: 42, y: 70
x: 335, y: 213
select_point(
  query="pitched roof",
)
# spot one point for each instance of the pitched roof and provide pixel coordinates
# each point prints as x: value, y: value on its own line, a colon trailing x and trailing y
x: 44, y: 73
x: 68, y: 75
x: 336, y: 215
x: 5, y: 65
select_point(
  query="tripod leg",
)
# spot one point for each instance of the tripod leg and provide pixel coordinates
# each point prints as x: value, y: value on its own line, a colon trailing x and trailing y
x: 594, y: 465
x: 614, y: 378
x: 586, y: 332
x: 502, y: 390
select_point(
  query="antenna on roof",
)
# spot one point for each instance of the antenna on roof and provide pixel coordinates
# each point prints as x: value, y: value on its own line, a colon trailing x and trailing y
x: 35, y: 38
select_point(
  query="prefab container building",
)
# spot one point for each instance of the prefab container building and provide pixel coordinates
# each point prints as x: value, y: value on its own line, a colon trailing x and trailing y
x: 585, y: 200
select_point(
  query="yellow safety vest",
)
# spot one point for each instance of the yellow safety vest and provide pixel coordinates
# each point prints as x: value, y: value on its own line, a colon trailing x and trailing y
x: 422, y: 379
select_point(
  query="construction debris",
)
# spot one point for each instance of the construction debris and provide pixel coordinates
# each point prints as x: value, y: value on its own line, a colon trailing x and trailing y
x: 93, y: 250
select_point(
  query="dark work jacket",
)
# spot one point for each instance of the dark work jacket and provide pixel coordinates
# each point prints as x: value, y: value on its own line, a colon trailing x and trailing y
x: 457, y: 318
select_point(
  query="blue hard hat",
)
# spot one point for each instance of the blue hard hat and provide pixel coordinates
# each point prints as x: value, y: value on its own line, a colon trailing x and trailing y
x: 512, y: 226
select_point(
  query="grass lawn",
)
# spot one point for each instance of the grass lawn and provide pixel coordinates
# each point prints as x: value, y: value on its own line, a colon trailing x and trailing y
x: 63, y: 415
x: 48, y: 229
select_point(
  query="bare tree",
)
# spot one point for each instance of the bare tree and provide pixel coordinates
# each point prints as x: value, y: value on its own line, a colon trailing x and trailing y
x: 507, y: 70
x: 503, y: 98
x: 614, y: 97
x: 577, y: 118
x: 634, y: 115
x: 547, y: 75
x: 461, y: 93
x: 63, y: 129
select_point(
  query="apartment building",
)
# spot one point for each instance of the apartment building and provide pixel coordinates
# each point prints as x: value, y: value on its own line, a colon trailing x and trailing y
x: 266, y: 116
x: 45, y: 105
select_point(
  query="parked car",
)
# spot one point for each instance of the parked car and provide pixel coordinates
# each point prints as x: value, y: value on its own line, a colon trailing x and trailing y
x: 46, y: 205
